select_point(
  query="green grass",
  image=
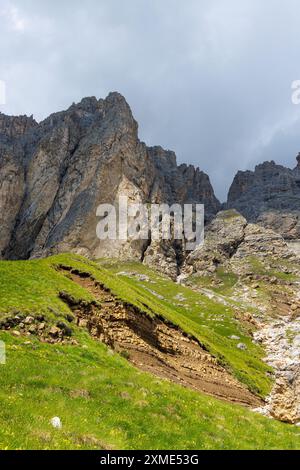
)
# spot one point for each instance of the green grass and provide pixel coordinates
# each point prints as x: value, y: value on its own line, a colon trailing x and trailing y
x: 228, y: 215
x: 33, y: 287
x: 105, y: 403
x: 274, y: 270
x: 102, y: 400
x: 227, y: 281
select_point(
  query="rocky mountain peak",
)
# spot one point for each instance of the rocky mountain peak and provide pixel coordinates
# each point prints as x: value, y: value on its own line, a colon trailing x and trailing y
x: 269, y: 195
x: 64, y: 167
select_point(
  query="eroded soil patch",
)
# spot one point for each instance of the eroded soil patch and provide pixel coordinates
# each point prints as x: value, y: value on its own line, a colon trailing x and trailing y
x: 154, y: 345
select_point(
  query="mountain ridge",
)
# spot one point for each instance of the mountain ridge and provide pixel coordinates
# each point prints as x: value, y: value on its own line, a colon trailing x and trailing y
x: 54, y: 175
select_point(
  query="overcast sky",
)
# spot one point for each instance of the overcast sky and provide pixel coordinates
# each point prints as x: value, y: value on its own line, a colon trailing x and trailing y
x: 210, y: 79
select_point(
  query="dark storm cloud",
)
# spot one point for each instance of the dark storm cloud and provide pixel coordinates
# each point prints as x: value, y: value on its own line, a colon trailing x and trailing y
x: 209, y: 79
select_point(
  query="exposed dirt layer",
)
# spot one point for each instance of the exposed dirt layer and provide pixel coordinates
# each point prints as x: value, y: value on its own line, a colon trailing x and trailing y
x: 155, y: 346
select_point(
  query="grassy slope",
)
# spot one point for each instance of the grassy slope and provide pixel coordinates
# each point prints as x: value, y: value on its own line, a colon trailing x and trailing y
x: 280, y: 269
x: 33, y: 286
x: 105, y: 403
x: 102, y: 400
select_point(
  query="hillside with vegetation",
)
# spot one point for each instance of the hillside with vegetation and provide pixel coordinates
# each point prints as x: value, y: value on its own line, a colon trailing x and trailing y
x: 58, y: 364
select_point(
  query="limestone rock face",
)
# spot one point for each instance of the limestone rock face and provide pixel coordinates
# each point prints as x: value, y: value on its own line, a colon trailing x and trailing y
x: 15, y: 126
x: 162, y: 256
x: 222, y: 238
x: 230, y: 239
x: 270, y: 195
x: 56, y: 173
x: 12, y: 188
x: 261, y: 243
x: 181, y: 183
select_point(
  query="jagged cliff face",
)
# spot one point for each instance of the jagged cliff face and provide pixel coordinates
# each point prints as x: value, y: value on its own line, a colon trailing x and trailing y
x: 54, y: 175
x: 269, y: 195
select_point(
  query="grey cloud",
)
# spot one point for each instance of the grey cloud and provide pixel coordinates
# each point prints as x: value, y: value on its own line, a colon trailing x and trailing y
x: 208, y: 79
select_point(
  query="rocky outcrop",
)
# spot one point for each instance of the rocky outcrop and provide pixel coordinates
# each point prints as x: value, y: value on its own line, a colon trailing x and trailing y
x: 269, y: 195
x: 264, y: 278
x: 281, y: 339
x: 163, y: 257
x: 222, y: 238
x: 55, y: 174
x: 229, y: 239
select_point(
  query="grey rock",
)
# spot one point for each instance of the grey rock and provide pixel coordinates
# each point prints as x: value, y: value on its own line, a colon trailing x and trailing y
x: 222, y: 238
x: 269, y: 195
x: 54, y: 174
x: 229, y: 240
x: 162, y: 257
